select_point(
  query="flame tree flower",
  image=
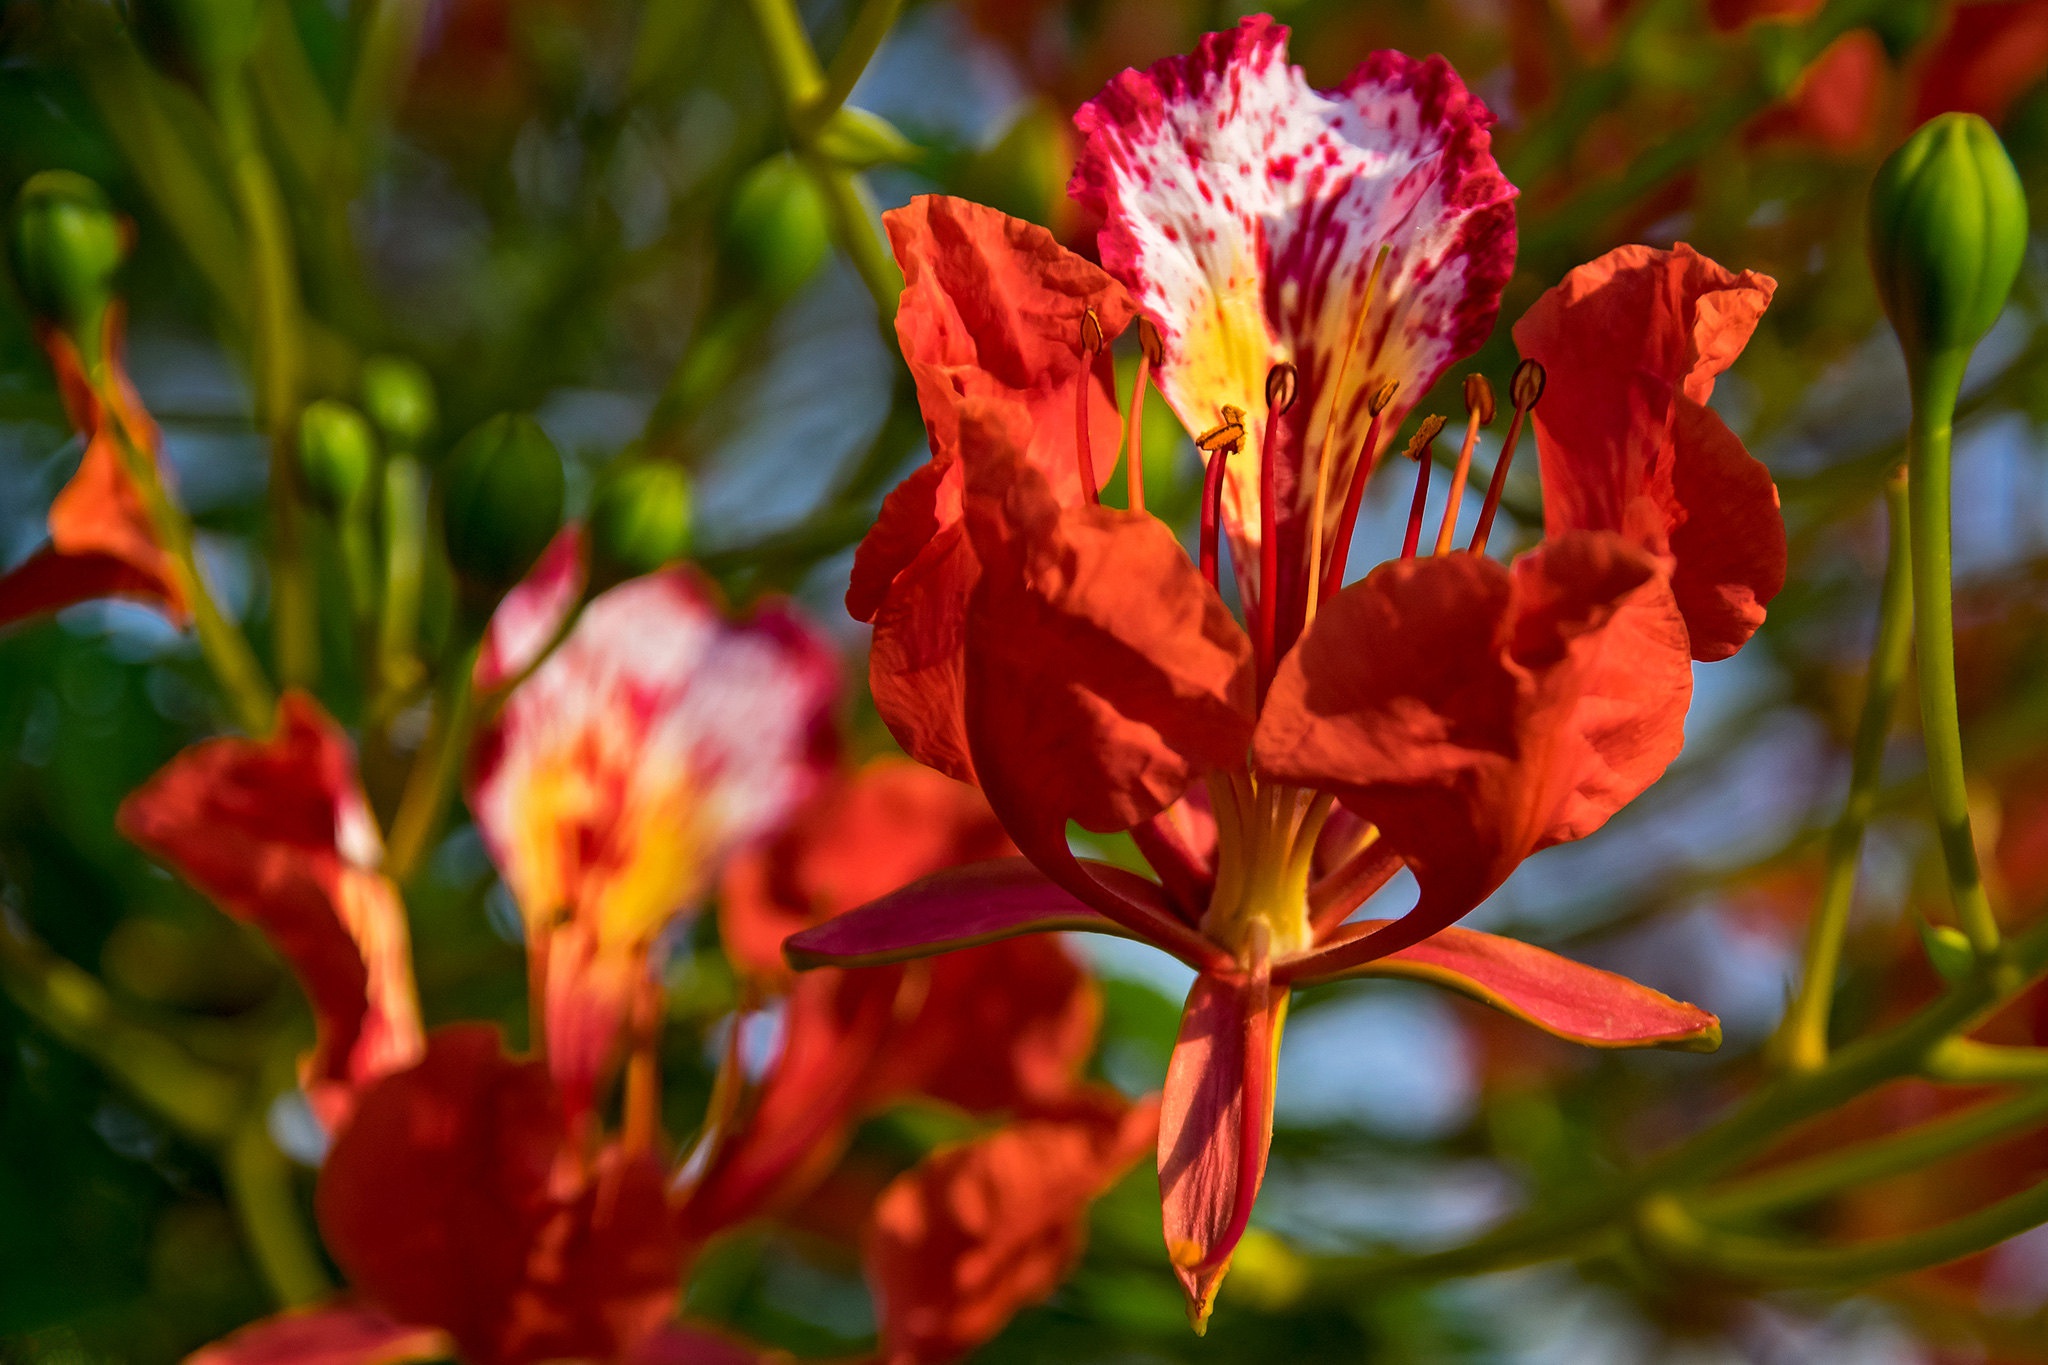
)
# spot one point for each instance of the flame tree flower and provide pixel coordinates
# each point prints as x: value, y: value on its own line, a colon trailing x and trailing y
x: 1303, y: 265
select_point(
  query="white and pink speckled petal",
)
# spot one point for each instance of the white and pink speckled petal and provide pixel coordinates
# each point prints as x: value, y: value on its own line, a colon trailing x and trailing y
x: 659, y: 739
x: 1244, y: 211
x: 528, y: 617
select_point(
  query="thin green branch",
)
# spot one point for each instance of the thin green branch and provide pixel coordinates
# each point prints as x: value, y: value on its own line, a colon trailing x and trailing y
x: 870, y: 27
x: 1803, y: 1038
x: 1965, y: 1061
x: 260, y: 1185
x: 431, y: 781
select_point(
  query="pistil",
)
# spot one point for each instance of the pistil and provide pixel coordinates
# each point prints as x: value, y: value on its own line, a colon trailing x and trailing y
x: 1418, y: 451
x: 1523, y: 391
x: 1150, y: 352
x: 1347, y: 524
x: 1478, y: 413
x: 1084, y: 455
x: 1218, y: 442
x: 1280, y: 388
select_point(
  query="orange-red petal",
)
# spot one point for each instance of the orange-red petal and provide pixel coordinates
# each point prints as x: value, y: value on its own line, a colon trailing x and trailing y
x: 981, y: 1229
x: 1631, y: 344
x: 276, y: 832
x: 339, y: 1333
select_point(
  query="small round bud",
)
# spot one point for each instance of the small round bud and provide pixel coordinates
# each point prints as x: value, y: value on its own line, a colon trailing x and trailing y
x: 1377, y: 404
x: 1281, y: 382
x: 775, y: 232
x: 640, y: 518
x: 336, y: 454
x: 1479, y: 397
x: 501, y: 501
x: 1418, y: 444
x: 1948, y: 228
x: 1150, y: 344
x: 1527, y: 386
x: 65, y: 245
x: 400, y: 399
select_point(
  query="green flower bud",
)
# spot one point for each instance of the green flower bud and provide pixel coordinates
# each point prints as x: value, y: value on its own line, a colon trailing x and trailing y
x: 1948, y: 226
x: 1948, y: 950
x: 336, y: 454
x: 501, y: 502
x: 400, y: 399
x: 640, y: 518
x: 65, y: 246
x: 775, y: 231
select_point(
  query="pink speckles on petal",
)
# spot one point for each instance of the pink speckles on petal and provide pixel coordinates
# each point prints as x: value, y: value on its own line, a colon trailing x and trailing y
x: 1244, y: 211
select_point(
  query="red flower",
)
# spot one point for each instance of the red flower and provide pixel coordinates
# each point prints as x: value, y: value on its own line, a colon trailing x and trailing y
x: 1300, y: 255
x: 1990, y: 54
x: 101, y: 541
x: 277, y: 833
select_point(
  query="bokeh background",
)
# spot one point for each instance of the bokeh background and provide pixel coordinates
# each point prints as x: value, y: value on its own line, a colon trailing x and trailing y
x: 559, y: 209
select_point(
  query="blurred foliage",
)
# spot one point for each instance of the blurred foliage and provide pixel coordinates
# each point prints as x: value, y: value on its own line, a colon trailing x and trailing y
x: 597, y: 212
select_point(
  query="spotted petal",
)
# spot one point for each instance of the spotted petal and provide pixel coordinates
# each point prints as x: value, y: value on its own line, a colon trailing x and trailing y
x: 657, y: 740
x: 1244, y: 211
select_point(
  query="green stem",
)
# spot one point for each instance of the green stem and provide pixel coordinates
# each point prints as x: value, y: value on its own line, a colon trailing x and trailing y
x: 792, y: 62
x: 1937, y: 383
x: 1672, y: 1232
x: 1965, y: 1061
x: 1803, y: 1038
x: 859, y: 229
x: 405, y: 567
x: 261, y: 1187
x: 276, y: 360
x: 870, y: 26
x: 431, y: 780
x: 1803, y: 1182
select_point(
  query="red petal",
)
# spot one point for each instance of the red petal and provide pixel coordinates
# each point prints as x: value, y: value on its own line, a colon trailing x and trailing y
x: 1499, y: 712
x: 340, y: 1333
x: 1990, y: 55
x: 453, y: 1199
x: 1729, y: 15
x: 276, y: 832
x: 958, y: 908
x: 1202, y: 1129
x: 1565, y: 998
x: 982, y: 1229
x: 1103, y: 674
x: 532, y: 614
x: 675, y: 1344
x: 917, y: 663
x: 1631, y: 344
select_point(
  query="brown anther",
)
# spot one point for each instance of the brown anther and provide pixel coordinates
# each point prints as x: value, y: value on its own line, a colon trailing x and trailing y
x: 1280, y: 387
x: 1425, y: 435
x: 1091, y: 333
x: 1149, y: 342
x: 1479, y: 397
x: 1229, y: 432
x: 1386, y: 393
x: 1528, y: 385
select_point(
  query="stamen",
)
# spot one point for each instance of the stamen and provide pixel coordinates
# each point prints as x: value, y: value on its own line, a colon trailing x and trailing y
x: 1280, y: 388
x: 1524, y: 390
x: 1418, y: 451
x: 1150, y: 353
x: 1218, y: 442
x: 1368, y: 454
x: 1322, y: 500
x: 1479, y: 412
x: 1084, y: 454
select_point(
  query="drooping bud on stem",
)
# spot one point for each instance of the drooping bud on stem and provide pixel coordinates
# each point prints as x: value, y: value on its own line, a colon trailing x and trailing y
x: 775, y: 234
x: 1523, y: 390
x: 639, y: 520
x: 399, y: 397
x: 1478, y: 412
x: 65, y: 245
x: 336, y: 455
x: 501, y: 502
x: 1418, y: 451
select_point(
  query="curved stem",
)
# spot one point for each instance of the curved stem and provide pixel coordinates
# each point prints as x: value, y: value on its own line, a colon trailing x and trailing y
x: 856, y: 50
x: 1803, y: 1037
x: 1965, y: 1061
x: 260, y: 1185
x: 434, y: 770
x: 1937, y: 383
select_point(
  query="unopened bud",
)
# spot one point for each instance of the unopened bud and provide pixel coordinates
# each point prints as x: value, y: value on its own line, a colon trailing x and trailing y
x: 501, y: 501
x: 776, y: 232
x: 1948, y: 951
x: 1091, y: 333
x: 640, y: 518
x: 1527, y: 385
x: 1380, y: 400
x: 1419, y: 443
x: 1280, y: 386
x: 65, y: 247
x: 336, y: 454
x: 400, y: 399
x: 1479, y: 397
x: 1150, y: 344
x: 1948, y: 228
